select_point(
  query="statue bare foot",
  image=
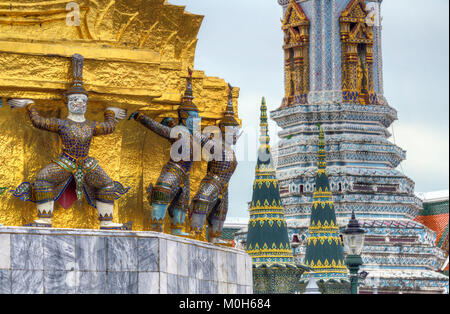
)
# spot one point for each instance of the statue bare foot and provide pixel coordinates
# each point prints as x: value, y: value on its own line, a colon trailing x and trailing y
x: 40, y: 223
x: 109, y: 225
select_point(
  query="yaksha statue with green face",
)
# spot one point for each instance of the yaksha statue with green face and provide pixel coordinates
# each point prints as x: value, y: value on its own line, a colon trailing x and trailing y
x: 210, y: 204
x: 74, y: 172
x: 171, y: 192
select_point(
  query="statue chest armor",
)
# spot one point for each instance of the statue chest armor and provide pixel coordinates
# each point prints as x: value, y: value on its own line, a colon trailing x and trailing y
x: 76, y: 138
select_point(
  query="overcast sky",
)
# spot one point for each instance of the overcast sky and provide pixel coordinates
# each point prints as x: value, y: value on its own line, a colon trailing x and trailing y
x: 241, y: 40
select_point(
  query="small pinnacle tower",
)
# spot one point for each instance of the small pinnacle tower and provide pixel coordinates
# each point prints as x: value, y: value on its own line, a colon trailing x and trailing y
x: 267, y: 239
x: 324, y: 250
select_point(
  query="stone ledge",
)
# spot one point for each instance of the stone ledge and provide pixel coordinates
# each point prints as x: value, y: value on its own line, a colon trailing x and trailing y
x: 38, y: 260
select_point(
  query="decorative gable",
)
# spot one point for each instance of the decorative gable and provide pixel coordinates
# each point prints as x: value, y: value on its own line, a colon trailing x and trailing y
x: 295, y: 24
x: 355, y: 11
x: 294, y: 15
x: 353, y: 23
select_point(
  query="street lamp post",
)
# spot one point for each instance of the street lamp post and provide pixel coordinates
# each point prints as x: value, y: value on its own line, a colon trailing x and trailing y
x: 353, y: 243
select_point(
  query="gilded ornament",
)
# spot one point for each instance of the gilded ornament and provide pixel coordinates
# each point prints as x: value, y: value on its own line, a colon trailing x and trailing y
x: 171, y: 192
x: 210, y: 203
x: 74, y: 167
x: 135, y: 58
x: 357, y: 57
x: 296, y: 48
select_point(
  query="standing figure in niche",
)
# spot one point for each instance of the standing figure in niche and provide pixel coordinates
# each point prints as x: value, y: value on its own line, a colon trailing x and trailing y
x: 171, y: 192
x: 359, y: 77
x: 74, y: 172
x: 211, y: 201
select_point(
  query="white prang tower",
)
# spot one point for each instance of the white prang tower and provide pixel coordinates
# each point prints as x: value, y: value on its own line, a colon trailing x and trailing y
x: 333, y: 76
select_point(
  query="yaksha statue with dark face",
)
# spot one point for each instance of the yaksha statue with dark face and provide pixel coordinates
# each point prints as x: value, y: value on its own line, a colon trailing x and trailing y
x: 171, y: 192
x: 210, y: 204
x: 74, y: 167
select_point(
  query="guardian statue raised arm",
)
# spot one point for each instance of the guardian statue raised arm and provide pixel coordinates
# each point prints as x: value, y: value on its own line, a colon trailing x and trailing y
x: 74, y: 165
x: 171, y: 192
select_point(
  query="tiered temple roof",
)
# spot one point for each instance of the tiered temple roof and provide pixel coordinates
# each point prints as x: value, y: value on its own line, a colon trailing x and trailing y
x: 435, y: 216
x: 324, y: 250
x: 267, y: 238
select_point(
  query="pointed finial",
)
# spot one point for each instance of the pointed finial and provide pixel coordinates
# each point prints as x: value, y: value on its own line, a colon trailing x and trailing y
x: 188, y: 93
x: 187, y: 104
x: 354, y: 226
x: 228, y: 115
x: 263, y: 117
x: 230, y: 109
x: 77, y: 81
x: 77, y: 66
x: 321, y: 163
x: 264, y: 137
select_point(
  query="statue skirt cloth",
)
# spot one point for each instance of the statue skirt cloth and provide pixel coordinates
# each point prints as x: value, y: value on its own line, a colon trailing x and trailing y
x: 66, y: 175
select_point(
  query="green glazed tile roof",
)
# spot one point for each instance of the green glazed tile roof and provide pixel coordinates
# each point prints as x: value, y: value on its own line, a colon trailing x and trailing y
x: 324, y: 250
x: 436, y: 208
x: 267, y: 237
x: 228, y: 233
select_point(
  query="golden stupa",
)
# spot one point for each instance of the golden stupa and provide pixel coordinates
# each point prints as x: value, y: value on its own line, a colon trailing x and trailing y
x: 136, y: 57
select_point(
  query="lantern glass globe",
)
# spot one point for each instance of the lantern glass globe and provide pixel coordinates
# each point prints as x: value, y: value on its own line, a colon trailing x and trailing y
x: 354, y: 243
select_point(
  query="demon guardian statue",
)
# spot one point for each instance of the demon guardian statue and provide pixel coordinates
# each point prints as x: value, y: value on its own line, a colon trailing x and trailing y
x: 211, y: 201
x: 74, y: 164
x: 171, y: 192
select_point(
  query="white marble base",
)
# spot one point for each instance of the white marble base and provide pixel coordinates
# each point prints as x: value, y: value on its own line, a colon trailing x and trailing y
x: 62, y: 261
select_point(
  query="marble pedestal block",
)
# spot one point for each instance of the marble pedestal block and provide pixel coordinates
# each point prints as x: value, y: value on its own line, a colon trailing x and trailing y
x: 62, y: 261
